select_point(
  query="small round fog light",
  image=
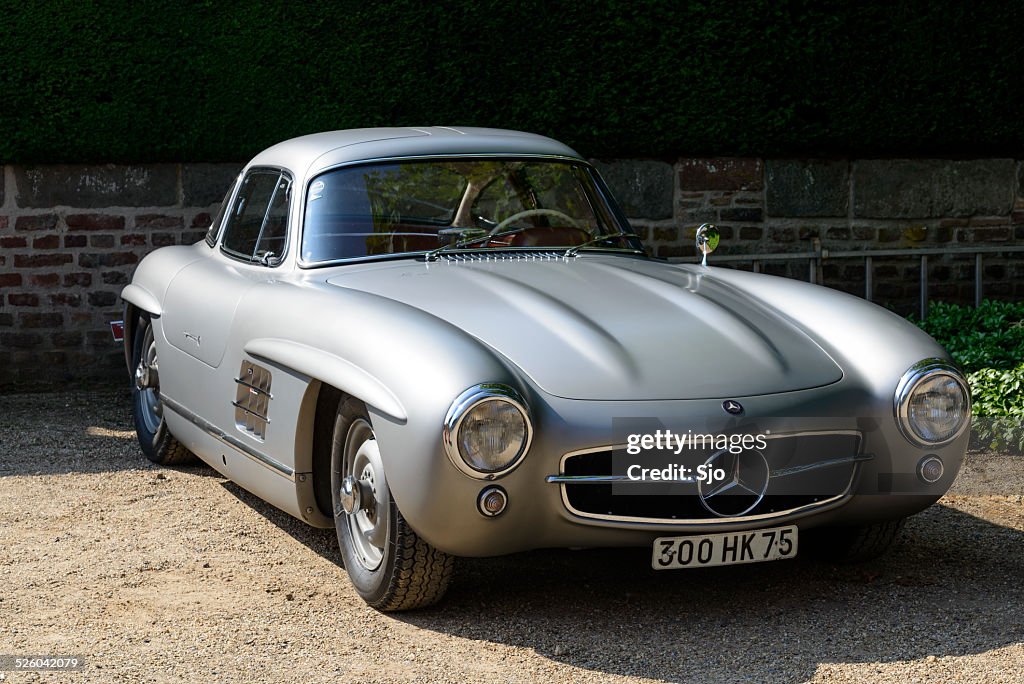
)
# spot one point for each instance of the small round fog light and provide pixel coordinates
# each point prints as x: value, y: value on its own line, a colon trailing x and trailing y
x: 930, y: 469
x: 492, y: 501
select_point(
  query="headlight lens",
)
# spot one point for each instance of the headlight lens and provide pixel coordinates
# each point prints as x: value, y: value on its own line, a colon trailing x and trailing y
x: 491, y: 435
x: 933, y: 403
x: 487, y: 430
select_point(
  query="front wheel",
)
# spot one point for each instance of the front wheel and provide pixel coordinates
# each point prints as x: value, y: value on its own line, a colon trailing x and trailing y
x: 156, y: 440
x: 388, y: 563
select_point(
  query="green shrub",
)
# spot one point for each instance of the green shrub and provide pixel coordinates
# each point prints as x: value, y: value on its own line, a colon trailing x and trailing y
x: 998, y: 397
x: 991, y: 336
x: 988, y: 343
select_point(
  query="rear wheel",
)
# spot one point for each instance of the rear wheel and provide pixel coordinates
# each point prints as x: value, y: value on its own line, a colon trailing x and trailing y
x: 856, y: 544
x: 156, y: 440
x: 388, y: 563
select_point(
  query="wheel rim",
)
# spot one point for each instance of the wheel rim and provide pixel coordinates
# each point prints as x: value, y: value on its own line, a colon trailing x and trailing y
x: 367, y: 524
x: 147, y: 384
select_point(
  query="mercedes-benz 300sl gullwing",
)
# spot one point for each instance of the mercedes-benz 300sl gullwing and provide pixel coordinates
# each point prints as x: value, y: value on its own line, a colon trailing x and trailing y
x: 449, y: 342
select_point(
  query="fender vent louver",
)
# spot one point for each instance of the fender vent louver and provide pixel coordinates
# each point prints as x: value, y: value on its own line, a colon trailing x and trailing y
x: 252, y: 400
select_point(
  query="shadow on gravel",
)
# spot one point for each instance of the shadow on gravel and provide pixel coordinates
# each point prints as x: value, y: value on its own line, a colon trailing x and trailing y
x: 952, y: 587
x: 322, y: 542
x: 82, y: 431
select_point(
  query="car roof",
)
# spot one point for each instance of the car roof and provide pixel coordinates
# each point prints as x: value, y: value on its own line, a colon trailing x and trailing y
x: 310, y: 154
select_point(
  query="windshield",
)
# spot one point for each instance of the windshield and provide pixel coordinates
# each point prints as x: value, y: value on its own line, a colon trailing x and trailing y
x: 423, y: 205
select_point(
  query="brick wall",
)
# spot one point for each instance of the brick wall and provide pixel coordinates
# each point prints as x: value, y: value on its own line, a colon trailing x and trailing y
x: 783, y: 205
x: 70, y: 236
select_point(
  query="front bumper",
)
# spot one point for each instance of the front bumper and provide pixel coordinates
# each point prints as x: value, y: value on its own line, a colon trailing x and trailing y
x: 879, y: 481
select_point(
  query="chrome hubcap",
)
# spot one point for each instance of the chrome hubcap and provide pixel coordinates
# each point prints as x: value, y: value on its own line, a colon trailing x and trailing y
x: 348, y: 496
x: 147, y: 382
x: 144, y: 376
x: 355, y: 495
x: 363, y: 495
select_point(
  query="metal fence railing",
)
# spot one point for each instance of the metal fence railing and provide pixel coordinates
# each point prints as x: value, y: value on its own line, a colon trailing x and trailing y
x: 819, y: 255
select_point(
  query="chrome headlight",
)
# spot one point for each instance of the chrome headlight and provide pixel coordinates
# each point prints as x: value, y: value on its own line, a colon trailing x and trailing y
x: 487, y: 431
x: 933, y: 403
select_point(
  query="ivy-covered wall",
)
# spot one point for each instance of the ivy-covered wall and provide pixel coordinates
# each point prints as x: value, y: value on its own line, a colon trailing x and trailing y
x: 119, y: 82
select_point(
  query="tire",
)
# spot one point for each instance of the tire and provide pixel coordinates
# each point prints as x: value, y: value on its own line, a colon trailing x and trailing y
x: 389, y: 565
x: 856, y: 544
x: 156, y: 440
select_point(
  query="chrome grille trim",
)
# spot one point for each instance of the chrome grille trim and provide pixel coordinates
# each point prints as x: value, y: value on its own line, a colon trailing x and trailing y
x: 782, y: 472
x: 860, y: 458
x: 703, y: 523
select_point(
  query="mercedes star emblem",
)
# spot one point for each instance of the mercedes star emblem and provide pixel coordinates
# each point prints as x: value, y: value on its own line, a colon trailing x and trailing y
x: 732, y: 406
x: 746, y: 481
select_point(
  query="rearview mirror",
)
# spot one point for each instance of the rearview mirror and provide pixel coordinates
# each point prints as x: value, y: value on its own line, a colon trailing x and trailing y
x: 707, y: 240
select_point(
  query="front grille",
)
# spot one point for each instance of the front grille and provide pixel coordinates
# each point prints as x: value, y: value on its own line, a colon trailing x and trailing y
x: 806, y: 470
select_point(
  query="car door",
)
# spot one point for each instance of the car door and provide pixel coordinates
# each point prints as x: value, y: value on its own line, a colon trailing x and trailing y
x: 201, y: 300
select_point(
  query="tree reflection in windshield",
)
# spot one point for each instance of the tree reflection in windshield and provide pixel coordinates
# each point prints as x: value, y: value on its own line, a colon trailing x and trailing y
x: 421, y: 205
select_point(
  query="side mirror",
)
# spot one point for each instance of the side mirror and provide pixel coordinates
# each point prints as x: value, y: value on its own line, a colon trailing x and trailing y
x: 707, y: 241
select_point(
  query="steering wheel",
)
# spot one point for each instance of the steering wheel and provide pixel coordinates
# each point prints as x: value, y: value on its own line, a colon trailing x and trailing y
x: 533, y: 212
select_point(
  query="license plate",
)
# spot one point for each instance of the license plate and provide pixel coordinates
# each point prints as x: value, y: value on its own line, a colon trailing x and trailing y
x: 726, y: 548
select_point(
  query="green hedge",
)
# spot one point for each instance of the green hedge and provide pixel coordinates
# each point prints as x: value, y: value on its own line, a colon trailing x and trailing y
x: 990, y: 336
x: 988, y: 344
x: 147, y: 81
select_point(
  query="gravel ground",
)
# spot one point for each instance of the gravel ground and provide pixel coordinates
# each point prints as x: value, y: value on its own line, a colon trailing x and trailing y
x: 171, y: 575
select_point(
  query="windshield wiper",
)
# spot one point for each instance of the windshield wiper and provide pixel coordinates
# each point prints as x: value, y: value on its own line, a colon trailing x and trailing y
x: 572, y: 251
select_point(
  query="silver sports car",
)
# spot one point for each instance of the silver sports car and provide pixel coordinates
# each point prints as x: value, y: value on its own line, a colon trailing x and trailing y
x: 448, y: 342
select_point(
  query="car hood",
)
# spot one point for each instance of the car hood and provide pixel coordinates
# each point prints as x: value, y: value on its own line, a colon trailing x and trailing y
x: 610, y: 327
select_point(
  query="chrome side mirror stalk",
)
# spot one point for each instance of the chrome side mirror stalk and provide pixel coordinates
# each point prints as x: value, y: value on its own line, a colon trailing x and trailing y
x: 707, y: 241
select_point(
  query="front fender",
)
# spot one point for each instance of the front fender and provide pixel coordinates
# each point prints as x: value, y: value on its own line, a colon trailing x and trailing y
x: 406, y: 365
x: 331, y: 369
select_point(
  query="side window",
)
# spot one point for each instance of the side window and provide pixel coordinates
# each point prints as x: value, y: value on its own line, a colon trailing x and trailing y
x: 211, y: 234
x: 271, y: 244
x: 258, y: 220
